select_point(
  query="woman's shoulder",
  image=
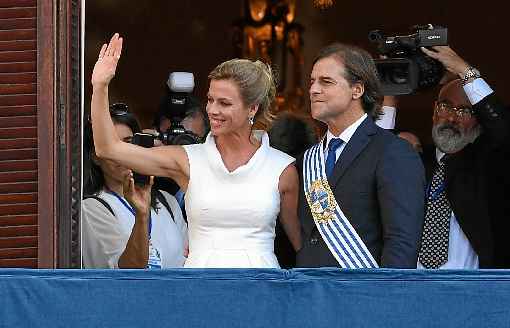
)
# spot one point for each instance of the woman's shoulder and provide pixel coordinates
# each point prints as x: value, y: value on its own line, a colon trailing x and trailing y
x: 278, y: 155
x: 194, y: 149
x: 96, y: 209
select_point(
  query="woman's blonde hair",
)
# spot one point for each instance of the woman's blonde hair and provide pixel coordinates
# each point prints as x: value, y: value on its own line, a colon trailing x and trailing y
x: 256, y: 83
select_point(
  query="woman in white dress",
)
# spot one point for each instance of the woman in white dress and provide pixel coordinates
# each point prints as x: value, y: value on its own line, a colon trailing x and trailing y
x: 235, y: 183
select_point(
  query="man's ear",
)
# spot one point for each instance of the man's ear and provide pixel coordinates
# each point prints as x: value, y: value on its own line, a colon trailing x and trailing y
x: 357, y: 90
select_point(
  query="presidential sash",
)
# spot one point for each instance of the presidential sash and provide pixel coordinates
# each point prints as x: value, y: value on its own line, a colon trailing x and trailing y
x: 336, y: 230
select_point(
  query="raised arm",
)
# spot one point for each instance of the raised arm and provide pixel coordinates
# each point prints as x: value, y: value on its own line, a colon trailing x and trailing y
x: 168, y: 161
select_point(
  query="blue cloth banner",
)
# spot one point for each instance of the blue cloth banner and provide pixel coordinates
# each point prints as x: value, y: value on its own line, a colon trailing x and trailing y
x: 254, y: 298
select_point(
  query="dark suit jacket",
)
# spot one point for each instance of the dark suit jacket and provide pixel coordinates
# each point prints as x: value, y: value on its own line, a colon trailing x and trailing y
x: 379, y: 183
x: 476, y: 187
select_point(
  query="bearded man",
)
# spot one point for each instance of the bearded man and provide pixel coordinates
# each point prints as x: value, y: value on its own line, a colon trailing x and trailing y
x: 465, y: 205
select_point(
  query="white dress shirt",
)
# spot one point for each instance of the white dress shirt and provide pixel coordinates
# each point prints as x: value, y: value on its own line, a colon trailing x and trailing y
x: 346, y: 135
x: 461, y: 254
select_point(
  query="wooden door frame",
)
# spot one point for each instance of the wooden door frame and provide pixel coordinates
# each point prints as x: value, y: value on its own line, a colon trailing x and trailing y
x: 59, y: 132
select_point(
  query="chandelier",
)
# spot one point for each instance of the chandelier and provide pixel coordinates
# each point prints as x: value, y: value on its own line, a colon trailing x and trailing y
x: 323, y: 4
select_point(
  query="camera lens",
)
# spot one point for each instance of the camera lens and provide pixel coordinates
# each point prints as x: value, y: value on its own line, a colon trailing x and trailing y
x: 399, y: 75
x: 185, y: 139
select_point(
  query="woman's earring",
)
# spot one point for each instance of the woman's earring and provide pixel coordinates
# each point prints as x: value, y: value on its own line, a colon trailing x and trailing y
x: 250, y: 119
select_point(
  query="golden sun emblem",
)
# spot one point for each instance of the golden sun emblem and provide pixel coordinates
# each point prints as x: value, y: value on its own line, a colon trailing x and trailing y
x: 321, y: 201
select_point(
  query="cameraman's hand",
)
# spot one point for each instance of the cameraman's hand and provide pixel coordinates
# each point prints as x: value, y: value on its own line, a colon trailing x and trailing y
x: 449, y: 58
x: 139, y: 197
x: 106, y: 64
x: 157, y: 142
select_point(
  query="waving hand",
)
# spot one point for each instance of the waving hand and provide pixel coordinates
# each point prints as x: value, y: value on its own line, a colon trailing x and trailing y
x: 106, y: 64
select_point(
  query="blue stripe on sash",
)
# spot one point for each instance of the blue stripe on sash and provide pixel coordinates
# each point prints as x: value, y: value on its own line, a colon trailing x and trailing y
x: 339, y: 252
x: 359, y: 248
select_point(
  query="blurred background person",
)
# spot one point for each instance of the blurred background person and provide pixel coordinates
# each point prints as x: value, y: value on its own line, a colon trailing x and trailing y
x: 125, y: 225
x: 412, y: 139
x: 167, y: 124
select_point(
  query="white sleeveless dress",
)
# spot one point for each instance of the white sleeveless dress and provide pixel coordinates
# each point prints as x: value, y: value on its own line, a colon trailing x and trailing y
x: 232, y: 215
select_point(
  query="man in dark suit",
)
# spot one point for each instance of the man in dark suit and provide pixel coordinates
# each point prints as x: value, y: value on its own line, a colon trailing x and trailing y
x: 376, y: 179
x: 471, y: 133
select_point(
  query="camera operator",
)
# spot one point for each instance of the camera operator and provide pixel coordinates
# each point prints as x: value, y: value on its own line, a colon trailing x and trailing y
x: 465, y: 205
x: 183, y: 124
x: 194, y: 119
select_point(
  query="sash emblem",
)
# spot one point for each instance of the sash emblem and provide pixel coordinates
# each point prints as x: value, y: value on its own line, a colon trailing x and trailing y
x: 322, y: 201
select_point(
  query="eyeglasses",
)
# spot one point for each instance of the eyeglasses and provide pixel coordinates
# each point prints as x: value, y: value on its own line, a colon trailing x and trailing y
x: 119, y: 109
x: 444, y: 109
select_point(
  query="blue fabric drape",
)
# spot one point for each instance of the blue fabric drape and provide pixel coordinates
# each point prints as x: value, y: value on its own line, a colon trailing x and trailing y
x: 254, y: 298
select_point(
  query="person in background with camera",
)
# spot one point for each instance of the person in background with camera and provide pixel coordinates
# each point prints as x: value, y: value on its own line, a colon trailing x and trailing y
x: 362, y: 188
x: 125, y: 225
x: 192, y: 117
x: 235, y: 183
x: 186, y: 124
x: 466, y: 211
x: 465, y: 205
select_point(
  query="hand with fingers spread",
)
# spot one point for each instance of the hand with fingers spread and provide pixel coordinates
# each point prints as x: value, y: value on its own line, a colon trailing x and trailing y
x: 449, y: 58
x: 104, y: 69
x: 139, y: 197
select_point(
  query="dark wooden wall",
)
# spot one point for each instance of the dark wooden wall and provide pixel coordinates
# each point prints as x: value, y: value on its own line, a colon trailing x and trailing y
x: 18, y: 134
x: 478, y: 32
x: 162, y: 36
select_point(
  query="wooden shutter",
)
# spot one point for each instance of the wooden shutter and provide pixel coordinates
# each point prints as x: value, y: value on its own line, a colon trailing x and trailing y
x: 18, y: 134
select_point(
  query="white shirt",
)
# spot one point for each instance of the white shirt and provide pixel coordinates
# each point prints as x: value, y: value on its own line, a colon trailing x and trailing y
x: 105, y: 236
x: 461, y: 254
x: 346, y: 135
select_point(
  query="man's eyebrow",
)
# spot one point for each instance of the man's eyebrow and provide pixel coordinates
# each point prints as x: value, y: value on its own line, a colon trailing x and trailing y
x: 443, y: 100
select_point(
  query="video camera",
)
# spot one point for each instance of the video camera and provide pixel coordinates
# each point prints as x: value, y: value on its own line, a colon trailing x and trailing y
x: 406, y: 68
x: 175, y: 106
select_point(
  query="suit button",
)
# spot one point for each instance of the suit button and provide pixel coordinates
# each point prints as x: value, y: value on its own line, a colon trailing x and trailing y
x: 314, y: 240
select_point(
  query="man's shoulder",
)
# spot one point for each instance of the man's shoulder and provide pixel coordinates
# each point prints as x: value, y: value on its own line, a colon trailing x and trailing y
x: 386, y: 139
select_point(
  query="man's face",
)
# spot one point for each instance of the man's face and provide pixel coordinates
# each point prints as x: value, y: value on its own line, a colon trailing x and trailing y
x: 453, y: 126
x: 330, y: 93
x: 164, y: 124
x: 195, y: 123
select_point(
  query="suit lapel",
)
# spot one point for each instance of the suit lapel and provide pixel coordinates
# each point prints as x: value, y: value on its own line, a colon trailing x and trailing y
x: 353, y: 148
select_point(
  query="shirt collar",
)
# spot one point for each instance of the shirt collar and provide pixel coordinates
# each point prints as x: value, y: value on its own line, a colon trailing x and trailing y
x: 439, y: 155
x: 347, y: 134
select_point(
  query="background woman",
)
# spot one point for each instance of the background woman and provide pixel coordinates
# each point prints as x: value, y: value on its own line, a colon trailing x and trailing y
x: 123, y: 225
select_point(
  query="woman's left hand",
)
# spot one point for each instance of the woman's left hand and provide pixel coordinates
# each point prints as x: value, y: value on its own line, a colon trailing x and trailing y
x: 106, y: 64
x: 138, y: 196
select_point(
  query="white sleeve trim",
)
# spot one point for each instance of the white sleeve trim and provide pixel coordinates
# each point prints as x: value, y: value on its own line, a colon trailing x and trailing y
x: 477, y: 90
x: 387, y: 118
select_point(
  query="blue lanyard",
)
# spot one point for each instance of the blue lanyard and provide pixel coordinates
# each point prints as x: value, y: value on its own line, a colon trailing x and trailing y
x: 126, y: 205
